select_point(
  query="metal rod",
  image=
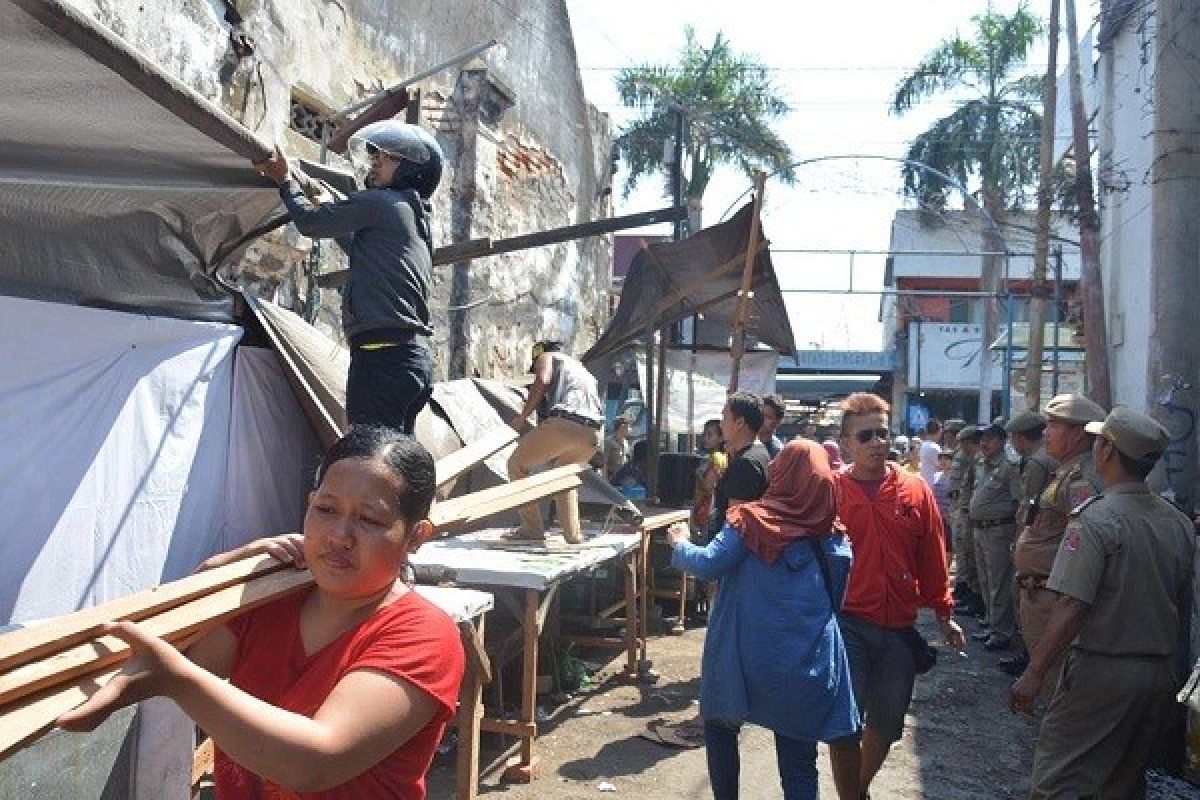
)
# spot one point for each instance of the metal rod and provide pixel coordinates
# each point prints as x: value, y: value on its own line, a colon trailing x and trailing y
x: 845, y: 251
x: 420, y: 76
x: 902, y: 292
x: 1006, y: 399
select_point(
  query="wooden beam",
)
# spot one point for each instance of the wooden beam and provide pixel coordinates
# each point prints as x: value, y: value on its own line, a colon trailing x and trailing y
x: 480, y: 248
x: 460, y: 461
x: 479, y: 505
x: 743, y: 304
x: 29, y: 644
x: 666, y: 519
x: 172, y: 625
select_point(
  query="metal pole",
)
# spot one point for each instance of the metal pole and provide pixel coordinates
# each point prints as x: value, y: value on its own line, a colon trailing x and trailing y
x: 420, y: 76
x: 919, y: 321
x: 1058, y: 259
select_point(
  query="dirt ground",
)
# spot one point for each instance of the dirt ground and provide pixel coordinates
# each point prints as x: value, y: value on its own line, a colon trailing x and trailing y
x: 960, y: 741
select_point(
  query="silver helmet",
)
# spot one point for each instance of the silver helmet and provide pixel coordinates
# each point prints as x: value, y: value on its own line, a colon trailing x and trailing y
x: 419, y: 156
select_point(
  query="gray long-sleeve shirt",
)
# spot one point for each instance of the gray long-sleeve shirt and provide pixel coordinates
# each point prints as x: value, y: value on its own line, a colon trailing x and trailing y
x: 390, y: 262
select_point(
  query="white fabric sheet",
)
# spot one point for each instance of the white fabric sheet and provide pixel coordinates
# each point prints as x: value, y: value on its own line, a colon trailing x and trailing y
x: 117, y: 438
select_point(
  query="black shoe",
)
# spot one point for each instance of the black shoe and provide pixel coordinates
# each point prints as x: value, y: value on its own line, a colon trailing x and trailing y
x: 997, y: 642
x: 1015, y: 665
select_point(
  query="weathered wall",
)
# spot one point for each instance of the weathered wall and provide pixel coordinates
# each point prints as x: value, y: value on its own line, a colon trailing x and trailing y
x: 1126, y: 152
x: 537, y: 161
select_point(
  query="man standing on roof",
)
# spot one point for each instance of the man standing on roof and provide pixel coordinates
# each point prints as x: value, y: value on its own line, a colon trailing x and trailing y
x: 386, y: 232
x: 571, y: 419
x: 899, y: 566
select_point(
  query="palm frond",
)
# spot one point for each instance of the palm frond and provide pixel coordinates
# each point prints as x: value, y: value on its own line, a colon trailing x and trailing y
x: 943, y: 69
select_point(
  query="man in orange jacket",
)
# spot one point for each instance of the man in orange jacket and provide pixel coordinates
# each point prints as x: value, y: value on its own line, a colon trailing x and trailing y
x: 896, y: 533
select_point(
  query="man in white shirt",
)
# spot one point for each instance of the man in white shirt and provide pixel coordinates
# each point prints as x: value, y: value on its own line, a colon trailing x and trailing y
x: 930, y: 451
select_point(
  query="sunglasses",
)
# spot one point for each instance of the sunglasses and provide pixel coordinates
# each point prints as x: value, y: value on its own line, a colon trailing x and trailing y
x: 867, y: 434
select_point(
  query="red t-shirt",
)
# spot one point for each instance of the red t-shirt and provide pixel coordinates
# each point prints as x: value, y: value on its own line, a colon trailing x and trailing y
x: 411, y: 639
x: 899, y: 549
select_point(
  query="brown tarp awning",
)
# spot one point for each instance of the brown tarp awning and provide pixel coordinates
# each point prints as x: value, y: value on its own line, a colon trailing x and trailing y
x: 702, y: 274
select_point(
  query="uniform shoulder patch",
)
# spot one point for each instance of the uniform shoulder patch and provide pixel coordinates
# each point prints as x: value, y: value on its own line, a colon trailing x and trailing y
x: 1079, y: 493
x: 1078, y: 509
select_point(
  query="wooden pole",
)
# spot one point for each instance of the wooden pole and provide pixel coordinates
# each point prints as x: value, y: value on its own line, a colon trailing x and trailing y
x: 1092, y: 281
x: 743, y: 303
x: 1041, y: 245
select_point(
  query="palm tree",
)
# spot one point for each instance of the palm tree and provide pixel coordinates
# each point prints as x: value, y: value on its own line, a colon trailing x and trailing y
x: 727, y: 98
x: 990, y: 140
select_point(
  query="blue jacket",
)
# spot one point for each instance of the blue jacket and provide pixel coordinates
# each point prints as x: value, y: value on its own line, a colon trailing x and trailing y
x: 773, y: 654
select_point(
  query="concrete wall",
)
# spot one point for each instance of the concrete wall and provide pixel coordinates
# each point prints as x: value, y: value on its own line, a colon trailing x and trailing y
x: 530, y: 153
x: 1125, y: 122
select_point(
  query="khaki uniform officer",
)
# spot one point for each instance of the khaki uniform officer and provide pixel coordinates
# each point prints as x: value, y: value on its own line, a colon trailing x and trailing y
x: 1074, y: 482
x: 993, y: 514
x: 1036, y: 464
x: 1123, y: 571
x: 962, y: 482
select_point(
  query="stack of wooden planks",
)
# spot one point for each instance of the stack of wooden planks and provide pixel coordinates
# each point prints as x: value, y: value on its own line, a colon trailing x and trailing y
x: 50, y: 668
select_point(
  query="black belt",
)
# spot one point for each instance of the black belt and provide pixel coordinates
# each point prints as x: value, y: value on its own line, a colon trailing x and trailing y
x: 594, y: 424
x: 993, y: 523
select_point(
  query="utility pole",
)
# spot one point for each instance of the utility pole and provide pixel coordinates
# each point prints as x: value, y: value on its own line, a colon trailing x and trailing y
x: 1041, y: 246
x: 1174, y: 361
x: 1092, y: 281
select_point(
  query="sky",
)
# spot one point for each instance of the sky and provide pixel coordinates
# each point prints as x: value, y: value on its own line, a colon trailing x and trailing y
x: 837, y: 64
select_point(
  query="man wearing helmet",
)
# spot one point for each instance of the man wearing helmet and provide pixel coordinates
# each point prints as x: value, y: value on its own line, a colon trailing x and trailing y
x: 386, y: 232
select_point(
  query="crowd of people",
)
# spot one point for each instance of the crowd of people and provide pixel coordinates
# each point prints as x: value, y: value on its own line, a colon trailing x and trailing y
x: 1060, y: 552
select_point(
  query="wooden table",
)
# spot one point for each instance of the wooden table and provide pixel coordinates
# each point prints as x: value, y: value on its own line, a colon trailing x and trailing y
x: 524, y: 577
x: 468, y: 608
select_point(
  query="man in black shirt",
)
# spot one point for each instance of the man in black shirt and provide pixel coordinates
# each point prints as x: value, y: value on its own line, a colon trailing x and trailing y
x: 746, y: 477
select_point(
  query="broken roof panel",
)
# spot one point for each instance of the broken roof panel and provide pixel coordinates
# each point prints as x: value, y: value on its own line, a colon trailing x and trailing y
x: 671, y: 281
x: 119, y: 186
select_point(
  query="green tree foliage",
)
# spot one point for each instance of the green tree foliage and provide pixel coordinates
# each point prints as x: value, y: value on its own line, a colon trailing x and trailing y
x: 729, y: 100
x: 991, y: 138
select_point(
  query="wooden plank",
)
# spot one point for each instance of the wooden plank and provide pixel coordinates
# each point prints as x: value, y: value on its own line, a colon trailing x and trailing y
x: 479, y: 505
x: 174, y: 624
x: 28, y: 644
x: 666, y: 519
x: 28, y: 719
x: 460, y: 461
x: 470, y: 710
x: 202, y: 762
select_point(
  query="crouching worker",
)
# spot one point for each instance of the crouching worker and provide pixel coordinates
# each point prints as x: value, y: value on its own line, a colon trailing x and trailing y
x: 571, y: 418
x: 774, y: 655
x: 336, y: 692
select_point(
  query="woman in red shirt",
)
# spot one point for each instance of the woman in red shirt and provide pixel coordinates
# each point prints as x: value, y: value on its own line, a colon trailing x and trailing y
x: 339, y: 691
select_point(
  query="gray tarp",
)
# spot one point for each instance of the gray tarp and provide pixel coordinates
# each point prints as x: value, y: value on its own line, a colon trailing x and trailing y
x: 119, y: 186
x: 671, y: 281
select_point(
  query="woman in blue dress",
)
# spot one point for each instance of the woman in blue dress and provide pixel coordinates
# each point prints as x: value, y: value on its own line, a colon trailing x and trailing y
x: 773, y: 654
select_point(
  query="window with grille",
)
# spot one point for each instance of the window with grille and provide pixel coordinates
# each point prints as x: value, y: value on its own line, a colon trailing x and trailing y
x: 310, y: 121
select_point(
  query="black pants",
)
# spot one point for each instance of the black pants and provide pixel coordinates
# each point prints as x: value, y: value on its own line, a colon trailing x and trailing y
x: 389, y: 385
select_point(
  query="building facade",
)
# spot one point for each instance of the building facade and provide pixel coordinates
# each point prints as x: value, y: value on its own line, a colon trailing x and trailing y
x: 525, y: 151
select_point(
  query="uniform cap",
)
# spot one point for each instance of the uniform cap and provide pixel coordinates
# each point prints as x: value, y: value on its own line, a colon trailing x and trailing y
x: 1136, y: 435
x: 995, y: 429
x: 1025, y: 422
x: 968, y: 432
x: 954, y: 425
x: 1074, y: 408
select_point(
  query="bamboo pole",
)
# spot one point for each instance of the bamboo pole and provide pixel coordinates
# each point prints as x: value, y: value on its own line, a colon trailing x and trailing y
x: 738, y: 346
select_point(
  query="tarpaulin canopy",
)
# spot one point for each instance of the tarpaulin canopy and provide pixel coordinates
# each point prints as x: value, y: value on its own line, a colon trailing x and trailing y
x: 671, y: 281
x: 119, y: 185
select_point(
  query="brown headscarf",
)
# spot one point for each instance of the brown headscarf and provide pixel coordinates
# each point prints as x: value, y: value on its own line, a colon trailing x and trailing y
x: 799, y: 502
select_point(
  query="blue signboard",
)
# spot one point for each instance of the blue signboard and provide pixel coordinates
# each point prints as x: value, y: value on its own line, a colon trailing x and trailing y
x: 918, y: 417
